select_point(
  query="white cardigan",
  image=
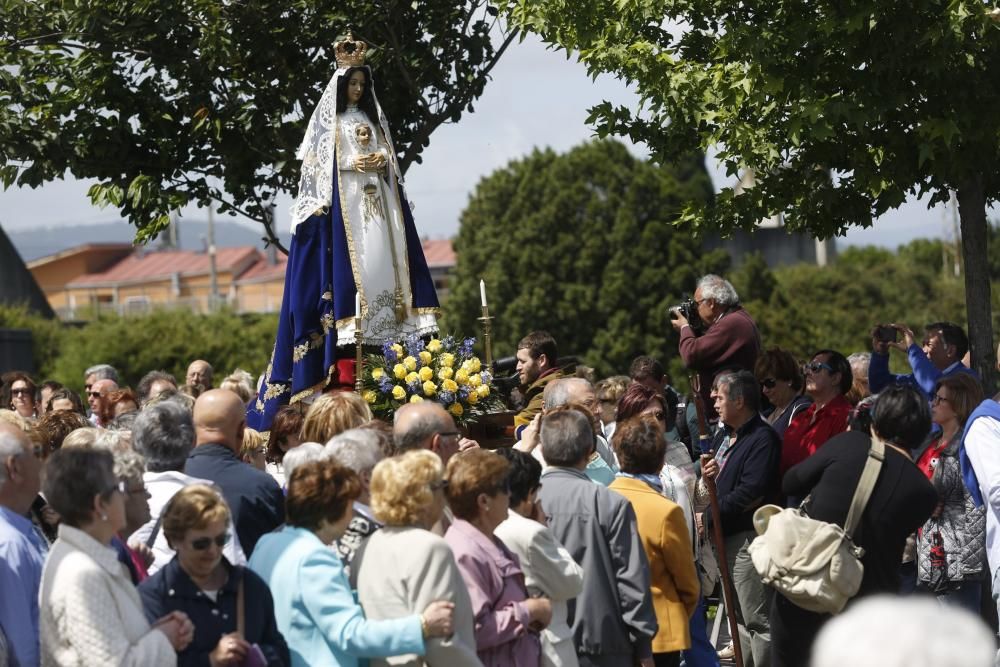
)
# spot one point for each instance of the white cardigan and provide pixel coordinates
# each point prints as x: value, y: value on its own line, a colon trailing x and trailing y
x: 89, y: 611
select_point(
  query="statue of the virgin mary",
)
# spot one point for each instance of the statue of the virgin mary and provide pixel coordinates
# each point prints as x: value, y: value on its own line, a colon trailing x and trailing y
x: 352, y: 234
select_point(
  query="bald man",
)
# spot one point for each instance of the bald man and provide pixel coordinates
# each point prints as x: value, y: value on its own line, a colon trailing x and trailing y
x: 427, y: 425
x: 254, y: 498
x: 199, y: 372
x: 97, y: 399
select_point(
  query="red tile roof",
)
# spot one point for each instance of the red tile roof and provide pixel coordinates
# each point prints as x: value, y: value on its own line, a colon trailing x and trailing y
x: 142, y: 266
x: 439, y: 252
x: 262, y: 271
x: 80, y: 249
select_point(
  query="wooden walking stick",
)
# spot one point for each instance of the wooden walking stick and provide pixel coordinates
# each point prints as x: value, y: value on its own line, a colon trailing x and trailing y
x: 728, y: 594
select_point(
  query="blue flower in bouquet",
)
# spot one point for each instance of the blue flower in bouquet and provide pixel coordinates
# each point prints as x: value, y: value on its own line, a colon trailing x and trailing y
x: 465, y: 349
x: 414, y: 345
x: 446, y: 397
x: 463, y: 392
x: 385, y: 384
x: 448, y: 342
x: 389, y: 353
x: 486, y: 376
x: 413, y: 387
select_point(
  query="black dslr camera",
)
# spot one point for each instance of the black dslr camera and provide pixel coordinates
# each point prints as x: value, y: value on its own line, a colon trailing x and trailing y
x: 689, y: 310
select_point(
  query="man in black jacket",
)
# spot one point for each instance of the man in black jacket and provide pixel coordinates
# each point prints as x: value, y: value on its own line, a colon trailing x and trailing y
x: 745, y: 470
x: 254, y: 498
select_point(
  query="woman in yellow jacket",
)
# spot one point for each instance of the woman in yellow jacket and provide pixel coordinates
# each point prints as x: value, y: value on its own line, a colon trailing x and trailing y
x: 640, y: 446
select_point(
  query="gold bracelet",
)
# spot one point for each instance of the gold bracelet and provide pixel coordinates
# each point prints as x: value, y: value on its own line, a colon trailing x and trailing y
x: 424, y: 630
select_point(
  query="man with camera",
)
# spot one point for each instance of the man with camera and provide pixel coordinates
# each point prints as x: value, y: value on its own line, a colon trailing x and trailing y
x: 716, y: 334
x: 940, y: 355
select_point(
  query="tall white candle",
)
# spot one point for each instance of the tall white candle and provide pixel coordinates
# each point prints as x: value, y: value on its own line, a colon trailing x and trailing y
x: 482, y: 292
x: 357, y: 304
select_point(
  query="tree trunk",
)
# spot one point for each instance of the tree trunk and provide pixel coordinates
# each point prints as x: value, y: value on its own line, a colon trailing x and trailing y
x: 978, y: 304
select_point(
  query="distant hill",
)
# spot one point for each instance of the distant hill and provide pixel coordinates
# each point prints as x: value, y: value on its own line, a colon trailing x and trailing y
x: 34, y: 243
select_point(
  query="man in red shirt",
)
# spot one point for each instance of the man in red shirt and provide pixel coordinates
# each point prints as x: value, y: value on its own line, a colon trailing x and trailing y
x: 828, y: 379
x: 730, y: 341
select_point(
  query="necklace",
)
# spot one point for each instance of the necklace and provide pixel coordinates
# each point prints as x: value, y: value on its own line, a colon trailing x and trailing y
x: 351, y: 108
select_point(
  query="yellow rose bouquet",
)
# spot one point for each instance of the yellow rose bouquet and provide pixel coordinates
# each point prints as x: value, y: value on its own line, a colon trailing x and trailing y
x: 444, y: 370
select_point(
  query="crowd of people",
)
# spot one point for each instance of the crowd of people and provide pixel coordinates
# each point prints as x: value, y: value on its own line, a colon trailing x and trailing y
x: 151, y: 526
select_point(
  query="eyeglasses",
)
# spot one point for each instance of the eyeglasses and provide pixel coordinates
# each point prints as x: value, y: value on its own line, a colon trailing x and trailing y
x: 203, y: 543
x: 20, y: 392
x: 449, y: 434
x: 440, y: 484
x: 938, y: 398
x: 94, y: 394
x: 121, y: 487
x: 816, y: 366
x: 768, y: 383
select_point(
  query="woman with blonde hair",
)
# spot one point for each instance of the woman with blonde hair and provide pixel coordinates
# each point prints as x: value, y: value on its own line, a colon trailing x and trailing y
x: 404, y: 566
x: 334, y: 413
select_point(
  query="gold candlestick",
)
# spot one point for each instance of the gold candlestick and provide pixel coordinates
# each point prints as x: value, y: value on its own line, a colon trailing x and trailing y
x: 358, y: 336
x: 486, y: 321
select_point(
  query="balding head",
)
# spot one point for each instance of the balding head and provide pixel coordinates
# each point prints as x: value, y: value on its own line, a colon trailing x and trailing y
x: 219, y: 418
x: 199, y: 372
x: 571, y: 390
x: 425, y: 425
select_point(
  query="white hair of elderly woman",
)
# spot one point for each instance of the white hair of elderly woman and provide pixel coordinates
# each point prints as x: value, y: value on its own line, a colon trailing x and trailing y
x: 888, y: 631
x: 307, y: 451
x: 356, y: 448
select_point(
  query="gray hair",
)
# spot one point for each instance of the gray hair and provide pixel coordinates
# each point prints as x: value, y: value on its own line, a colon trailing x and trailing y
x: 357, y: 448
x: 307, y: 451
x: 102, y: 372
x: 567, y: 438
x: 73, y: 476
x: 718, y: 289
x: 886, y: 631
x: 129, y: 465
x: 740, y: 385
x: 423, y: 425
x: 859, y: 362
x: 164, y: 434
x: 560, y: 392
x: 11, y: 444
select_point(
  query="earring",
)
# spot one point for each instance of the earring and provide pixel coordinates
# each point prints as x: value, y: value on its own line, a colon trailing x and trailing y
x: 104, y: 517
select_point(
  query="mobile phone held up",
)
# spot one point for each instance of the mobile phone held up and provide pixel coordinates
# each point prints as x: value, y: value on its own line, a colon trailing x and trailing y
x: 886, y: 333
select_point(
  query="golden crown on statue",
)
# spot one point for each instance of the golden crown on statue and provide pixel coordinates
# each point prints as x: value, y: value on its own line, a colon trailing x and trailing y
x: 350, y: 52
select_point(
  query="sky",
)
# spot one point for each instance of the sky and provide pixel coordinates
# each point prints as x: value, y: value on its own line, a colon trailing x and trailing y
x: 536, y: 98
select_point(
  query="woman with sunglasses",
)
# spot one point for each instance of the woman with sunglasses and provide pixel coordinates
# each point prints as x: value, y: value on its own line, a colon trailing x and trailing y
x: 19, y: 394
x: 951, y: 546
x: 507, y: 621
x: 200, y: 582
x: 89, y: 611
x: 781, y: 382
x: 404, y: 567
x: 828, y: 379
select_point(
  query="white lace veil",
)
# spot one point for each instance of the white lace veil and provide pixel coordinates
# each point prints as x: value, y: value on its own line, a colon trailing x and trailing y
x: 317, y: 152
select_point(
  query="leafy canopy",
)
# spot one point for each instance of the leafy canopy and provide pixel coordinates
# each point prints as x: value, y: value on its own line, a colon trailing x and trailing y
x: 842, y: 109
x: 581, y: 245
x: 169, y: 102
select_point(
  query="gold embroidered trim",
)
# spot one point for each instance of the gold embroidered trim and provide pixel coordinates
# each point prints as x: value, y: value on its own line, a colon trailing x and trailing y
x: 327, y: 296
x: 351, y: 251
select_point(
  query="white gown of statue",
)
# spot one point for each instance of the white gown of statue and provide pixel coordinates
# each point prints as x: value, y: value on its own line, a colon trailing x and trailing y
x: 376, y: 238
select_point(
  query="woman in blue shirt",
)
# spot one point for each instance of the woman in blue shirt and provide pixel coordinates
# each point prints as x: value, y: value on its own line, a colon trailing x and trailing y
x: 313, y: 602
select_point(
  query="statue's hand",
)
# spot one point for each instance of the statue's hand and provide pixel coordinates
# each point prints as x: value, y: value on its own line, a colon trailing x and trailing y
x: 360, y: 163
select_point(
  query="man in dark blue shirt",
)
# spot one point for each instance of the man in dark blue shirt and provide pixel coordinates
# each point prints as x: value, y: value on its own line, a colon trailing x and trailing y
x: 254, y: 498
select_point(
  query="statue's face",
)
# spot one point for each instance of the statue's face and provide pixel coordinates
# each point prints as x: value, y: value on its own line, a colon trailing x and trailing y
x: 364, y: 135
x: 355, y: 87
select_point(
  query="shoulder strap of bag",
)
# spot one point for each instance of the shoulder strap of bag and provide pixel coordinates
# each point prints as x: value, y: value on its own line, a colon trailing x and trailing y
x: 156, y: 531
x: 873, y: 465
x: 240, y: 623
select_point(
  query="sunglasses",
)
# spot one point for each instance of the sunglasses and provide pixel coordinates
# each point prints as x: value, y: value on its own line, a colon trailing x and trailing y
x: 20, y: 392
x: 768, y: 383
x: 203, y: 543
x: 817, y: 366
x: 94, y: 394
